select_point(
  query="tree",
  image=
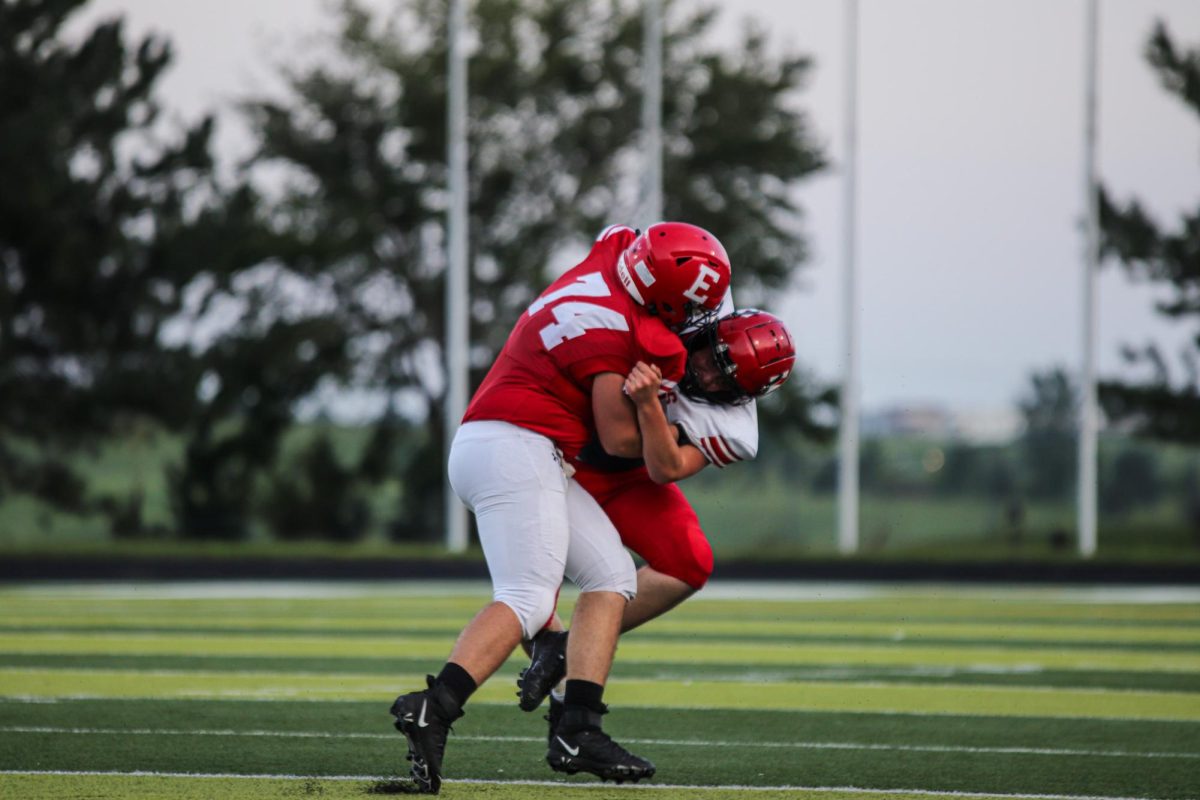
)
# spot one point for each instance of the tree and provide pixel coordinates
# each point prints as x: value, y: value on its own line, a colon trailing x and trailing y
x: 1163, y: 406
x: 94, y: 245
x: 553, y: 129
x: 963, y: 471
x: 317, y: 498
x: 118, y: 243
x: 1047, y: 445
x: 1133, y: 480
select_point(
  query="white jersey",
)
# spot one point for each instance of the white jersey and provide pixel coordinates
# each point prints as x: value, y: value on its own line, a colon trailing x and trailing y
x: 723, y: 433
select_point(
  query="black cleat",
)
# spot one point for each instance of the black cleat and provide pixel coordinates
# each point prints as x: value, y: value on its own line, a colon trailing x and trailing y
x: 553, y: 717
x: 578, y: 745
x: 547, y: 665
x: 424, y: 718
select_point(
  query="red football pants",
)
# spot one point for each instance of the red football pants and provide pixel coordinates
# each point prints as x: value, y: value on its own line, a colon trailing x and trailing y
x: 654, y: 520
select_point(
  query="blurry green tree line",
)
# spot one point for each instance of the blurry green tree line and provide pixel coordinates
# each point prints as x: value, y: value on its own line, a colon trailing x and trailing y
x: 142, y: 286
x: 1036, y: 467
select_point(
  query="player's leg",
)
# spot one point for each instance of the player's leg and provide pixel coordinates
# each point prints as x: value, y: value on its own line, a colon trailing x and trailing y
x: 547, y: 667
x: 657, y: 522
x: 597, y: 619
x: 512, y: 481
x: 602, y: 569
x: 600, y: 566
x: 548, y: 651
x: 657, y: 594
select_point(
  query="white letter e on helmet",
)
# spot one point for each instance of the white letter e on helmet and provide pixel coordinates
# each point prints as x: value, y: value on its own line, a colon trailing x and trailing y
x: 704, y: 280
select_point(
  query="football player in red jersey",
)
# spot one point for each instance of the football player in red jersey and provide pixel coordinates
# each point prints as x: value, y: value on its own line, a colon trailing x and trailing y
x: 558, y: 379
x: 708, y: 418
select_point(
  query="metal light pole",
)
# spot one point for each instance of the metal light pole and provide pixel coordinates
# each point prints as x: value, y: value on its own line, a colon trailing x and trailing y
x: 456, y: 266
x: 848, y: 432
x: 651, y: 200
x: 1088, y: 407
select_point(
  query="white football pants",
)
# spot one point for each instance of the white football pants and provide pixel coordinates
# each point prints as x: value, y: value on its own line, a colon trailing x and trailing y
x: 536, y: 524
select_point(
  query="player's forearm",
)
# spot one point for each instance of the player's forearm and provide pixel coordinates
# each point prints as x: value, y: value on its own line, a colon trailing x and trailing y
x: 620, y: 442
x: 615, y: 417
x: 660, y: 449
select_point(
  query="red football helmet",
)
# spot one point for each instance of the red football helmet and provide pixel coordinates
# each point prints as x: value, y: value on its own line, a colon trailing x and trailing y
x: 751, y: 350
x: 677, y: 271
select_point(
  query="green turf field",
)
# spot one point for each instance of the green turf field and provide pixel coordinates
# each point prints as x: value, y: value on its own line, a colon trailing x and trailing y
x: 754, y: 691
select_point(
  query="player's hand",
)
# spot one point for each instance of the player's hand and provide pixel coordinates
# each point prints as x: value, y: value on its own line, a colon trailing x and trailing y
x: 642, y: 383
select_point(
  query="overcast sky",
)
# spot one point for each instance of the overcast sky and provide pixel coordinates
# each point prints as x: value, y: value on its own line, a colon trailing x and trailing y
x: 970, y: 170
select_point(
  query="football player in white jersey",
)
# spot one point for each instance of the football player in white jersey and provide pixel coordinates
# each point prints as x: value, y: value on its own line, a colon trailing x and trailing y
x: 709, y: 417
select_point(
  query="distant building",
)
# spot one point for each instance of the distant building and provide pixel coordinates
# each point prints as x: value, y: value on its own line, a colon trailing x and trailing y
x: 992, y: 426
x: 914, y: 420
x: 995, y: 426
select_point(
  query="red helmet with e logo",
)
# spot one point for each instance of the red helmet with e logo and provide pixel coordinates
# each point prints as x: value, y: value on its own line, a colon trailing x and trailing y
x: 677, y: 271
x: 751, y: 350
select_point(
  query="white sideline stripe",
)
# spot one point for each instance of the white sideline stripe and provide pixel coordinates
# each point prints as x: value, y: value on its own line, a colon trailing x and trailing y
x: 562, y: 784
x: 1037, y: 751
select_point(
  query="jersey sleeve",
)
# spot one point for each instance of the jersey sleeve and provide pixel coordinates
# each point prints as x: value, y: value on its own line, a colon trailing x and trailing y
x: 584, y: 370
x: 723, y: 433
x: 656, y: 344
x: 617, y: 230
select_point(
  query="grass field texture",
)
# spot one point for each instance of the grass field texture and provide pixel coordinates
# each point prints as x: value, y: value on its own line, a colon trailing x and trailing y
x: 746, y: 691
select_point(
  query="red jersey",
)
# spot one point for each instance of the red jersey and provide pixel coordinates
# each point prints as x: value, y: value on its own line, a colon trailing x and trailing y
x: 584, y: 324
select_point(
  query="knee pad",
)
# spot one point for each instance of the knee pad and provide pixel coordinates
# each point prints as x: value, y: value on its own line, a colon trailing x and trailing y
x: 533, y: 605
x: 620, y: 578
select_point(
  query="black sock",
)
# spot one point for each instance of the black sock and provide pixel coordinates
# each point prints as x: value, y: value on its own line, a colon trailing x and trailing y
x: 586, y: 694
x: 458, y: 681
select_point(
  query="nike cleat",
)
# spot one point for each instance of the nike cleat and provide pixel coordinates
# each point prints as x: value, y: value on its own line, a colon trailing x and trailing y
x: 547, y: 666
x: 580, y: 746
x: 553, y: 717
x: 424, y: 718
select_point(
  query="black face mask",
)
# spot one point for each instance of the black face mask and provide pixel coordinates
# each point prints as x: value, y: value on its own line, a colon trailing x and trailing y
x: 730, y: 393
x: 695, y: 316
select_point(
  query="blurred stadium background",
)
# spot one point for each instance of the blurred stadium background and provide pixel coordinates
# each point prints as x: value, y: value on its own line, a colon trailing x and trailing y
x: 224, y: 247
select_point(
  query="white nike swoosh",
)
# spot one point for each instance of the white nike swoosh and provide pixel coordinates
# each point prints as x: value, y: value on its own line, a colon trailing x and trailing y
x: 572, y: 750
x: 421, y: 723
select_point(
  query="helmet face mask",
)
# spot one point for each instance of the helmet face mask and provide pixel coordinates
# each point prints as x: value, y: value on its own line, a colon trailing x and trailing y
x: 676, y: 271
x: 695, y: 316
x: 742, y: 356
x: 709, y: 373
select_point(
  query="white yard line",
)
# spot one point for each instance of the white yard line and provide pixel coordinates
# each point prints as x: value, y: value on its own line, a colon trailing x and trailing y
x: 1037, y: 751
x: 561, y: 784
